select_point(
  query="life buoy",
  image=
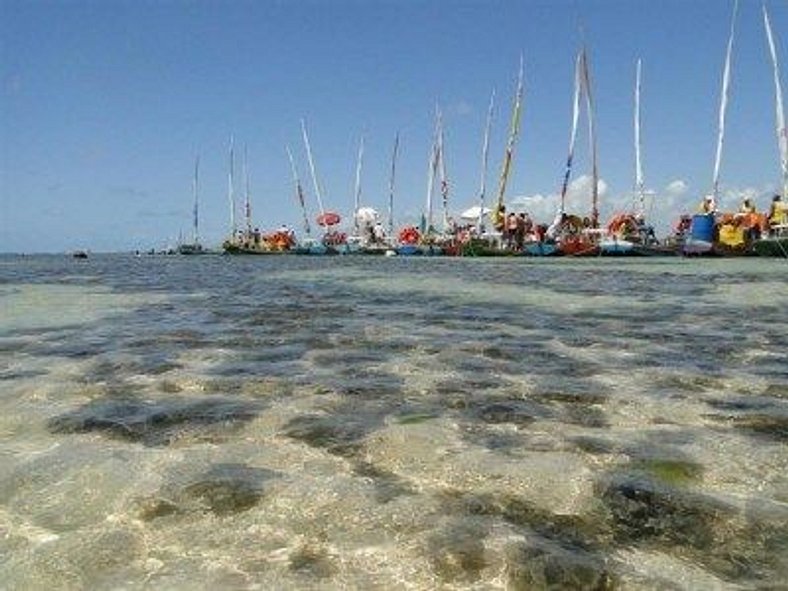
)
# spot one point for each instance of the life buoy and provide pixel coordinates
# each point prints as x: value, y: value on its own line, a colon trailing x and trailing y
x: 622, y: 224
x: 409, y: 235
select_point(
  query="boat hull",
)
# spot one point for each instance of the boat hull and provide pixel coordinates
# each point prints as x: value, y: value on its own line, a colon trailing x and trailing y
x: 772, y: 246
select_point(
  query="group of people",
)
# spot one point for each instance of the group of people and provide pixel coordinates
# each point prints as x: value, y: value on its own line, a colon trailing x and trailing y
x: 776, y: 217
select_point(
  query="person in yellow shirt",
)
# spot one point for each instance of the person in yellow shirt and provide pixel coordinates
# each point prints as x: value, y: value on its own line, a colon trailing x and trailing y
x: 778, y: 212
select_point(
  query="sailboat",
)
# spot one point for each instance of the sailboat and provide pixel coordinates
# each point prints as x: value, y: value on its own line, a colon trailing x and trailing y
x: 775, y: 242
x: 627, y: 232
x: 250, y: 240
x: 572, y: 234
x: 333, y: 241
x: 473, y: 239
x: 426, y: 240
x: 193, y: 247
x: 724, y: 233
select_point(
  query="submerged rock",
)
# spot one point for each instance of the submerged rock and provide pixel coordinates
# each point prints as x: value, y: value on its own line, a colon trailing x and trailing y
x: 228, y: 488
x: 312, y: 560
x: 388, y: 486
x: 540, y: 564
x: 643, y: 510
x: 457, y: 554
x: 154, y: 423
x: 772, y: 426
x: 518, y: 413
x: 334, y: 434
x: 224, y: 489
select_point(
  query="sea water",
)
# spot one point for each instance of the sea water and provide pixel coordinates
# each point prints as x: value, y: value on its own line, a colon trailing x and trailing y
x: 289, y: 422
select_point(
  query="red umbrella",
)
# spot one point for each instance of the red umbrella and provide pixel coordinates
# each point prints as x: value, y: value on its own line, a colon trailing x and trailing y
x: 329, y: 218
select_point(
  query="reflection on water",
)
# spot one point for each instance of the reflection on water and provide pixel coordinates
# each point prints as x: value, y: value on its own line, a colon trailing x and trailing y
x: 297, y: 422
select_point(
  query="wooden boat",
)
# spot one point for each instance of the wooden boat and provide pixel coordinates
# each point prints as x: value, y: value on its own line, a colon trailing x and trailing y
x: 572, y: 234
x: 627, y: 233
x: 774, y: 240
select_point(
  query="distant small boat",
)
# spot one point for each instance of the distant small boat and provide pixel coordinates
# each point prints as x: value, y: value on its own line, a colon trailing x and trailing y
x: 79, y: 254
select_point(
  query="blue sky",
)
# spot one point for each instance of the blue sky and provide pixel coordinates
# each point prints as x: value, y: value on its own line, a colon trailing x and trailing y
x: 104, y: 105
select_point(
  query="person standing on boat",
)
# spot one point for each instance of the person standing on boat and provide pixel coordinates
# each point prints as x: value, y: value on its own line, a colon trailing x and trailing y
x: 747, y: 206
x: 510, y: 232
x: 778, y: 213
x: 708, y: 205
x: 378, y: 233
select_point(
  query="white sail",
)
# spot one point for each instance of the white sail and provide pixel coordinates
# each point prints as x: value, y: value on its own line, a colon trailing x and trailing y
x: 247, y: 200
x: 357, y: 192
x: 231, y: 188
x: 485, y: 160
x: 639, y: 182
x: 573, y: 133
x: 443, y: 178
x: 586, y: 87
x: 782, y: 133
x: 312, y: 168
x: 726, y: 74
x: 391, y: 184
x: 196, y: 210
x: 432, y: 170
x: 299, y: 191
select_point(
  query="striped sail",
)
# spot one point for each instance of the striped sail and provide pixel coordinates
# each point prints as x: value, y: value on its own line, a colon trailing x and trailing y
x: 513, y: 134
x: 573, y: 134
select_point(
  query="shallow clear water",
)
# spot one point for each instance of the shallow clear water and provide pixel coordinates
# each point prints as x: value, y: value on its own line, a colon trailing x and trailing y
x: 375, y: 423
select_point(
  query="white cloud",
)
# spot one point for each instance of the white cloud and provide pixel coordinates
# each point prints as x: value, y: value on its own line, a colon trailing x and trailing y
x: 676, y: 188
x: 578, y: 200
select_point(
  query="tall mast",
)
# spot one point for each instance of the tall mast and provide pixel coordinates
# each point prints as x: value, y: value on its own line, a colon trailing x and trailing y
x: 391, y: 184
x: 485, y: 160
x: 782, y: 133
x: 247, y: 200
x: 726, y: 73
x: 357, y: 193
x: 443, y: 177
x: 573, y: 134
x: 231, y: 188
x: 312, y: 168
x: 513, y: 133
x: 433, y: 166
x: 299, y: 191
x: 195, y: 211
x: 591, y: 141
x: 639, y: 183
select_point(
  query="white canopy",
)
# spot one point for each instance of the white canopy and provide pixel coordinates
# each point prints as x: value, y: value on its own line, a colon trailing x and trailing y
x: 472, y: 213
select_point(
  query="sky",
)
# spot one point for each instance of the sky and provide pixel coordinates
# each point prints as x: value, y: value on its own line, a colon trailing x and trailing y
x: 105, y: 105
